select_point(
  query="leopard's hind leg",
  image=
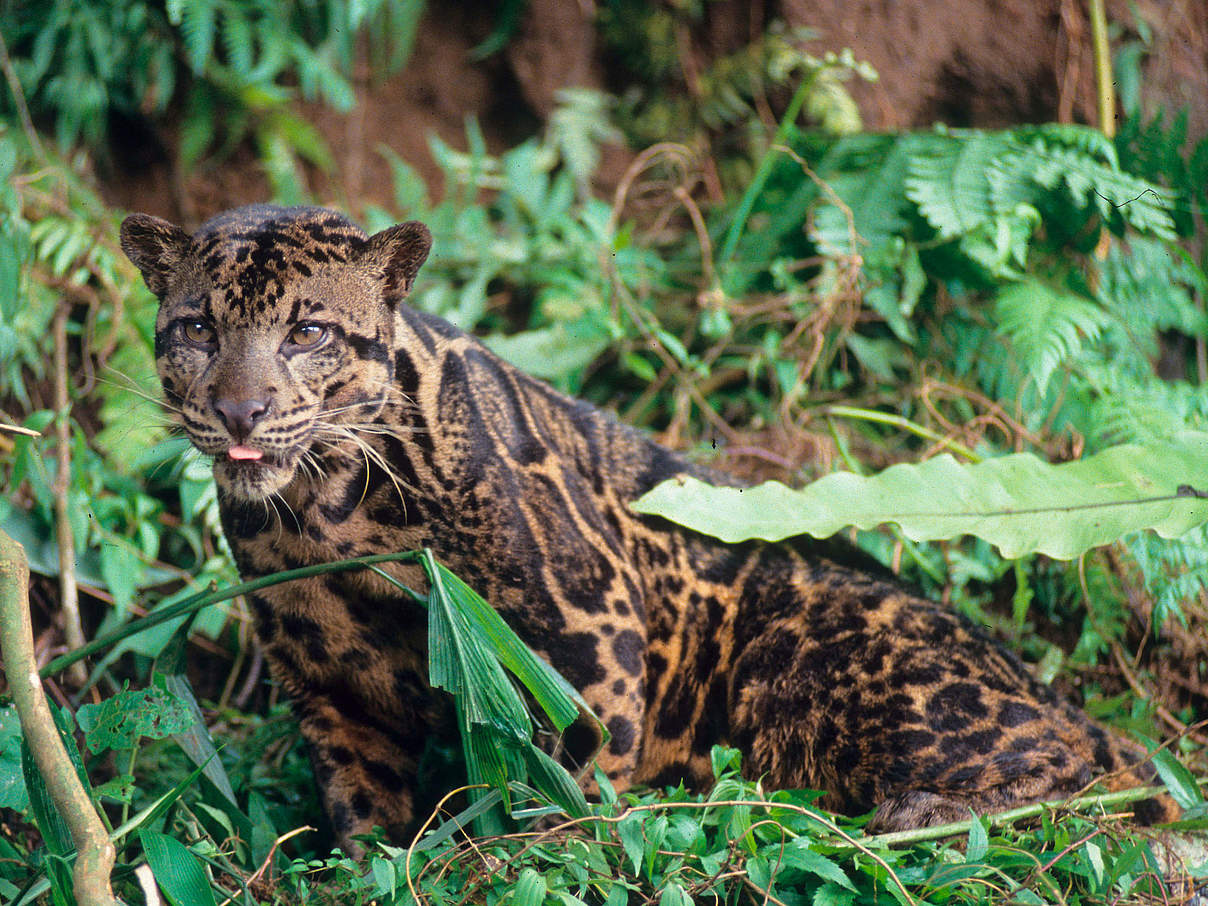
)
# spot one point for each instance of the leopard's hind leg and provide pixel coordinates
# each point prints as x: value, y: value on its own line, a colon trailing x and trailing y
x: 888, y: 701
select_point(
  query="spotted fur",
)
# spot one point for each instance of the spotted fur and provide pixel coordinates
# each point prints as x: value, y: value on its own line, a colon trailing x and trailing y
x: 342, y: 423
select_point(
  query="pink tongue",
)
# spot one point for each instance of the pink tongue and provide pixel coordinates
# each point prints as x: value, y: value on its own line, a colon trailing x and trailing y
x: 247, y: 453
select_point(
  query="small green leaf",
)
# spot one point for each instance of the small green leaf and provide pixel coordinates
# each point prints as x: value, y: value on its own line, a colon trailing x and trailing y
x: 797, y: 854
x: 1094, y: 855
x: 629, y: 829
x: 674, y: 895
x: 725, y: 760
x: 979, y: 842
x: 655, y: 831
x: 1179, y: 781
x: 123, y: 571
x: 530, y: 889
x: 178, y: 872
x: 831, y: 894
x: 384, y: 876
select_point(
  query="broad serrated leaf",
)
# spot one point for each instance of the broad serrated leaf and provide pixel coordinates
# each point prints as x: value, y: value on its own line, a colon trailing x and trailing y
x: 1019, y: 503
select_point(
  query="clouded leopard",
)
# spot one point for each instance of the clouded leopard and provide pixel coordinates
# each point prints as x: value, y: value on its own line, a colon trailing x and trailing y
x: 342, y: 422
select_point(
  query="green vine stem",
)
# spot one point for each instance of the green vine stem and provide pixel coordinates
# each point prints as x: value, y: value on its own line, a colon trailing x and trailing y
x: 747, y: 204
x: 95, y: 853
x: 196, y: 602
x: 1103, y: 802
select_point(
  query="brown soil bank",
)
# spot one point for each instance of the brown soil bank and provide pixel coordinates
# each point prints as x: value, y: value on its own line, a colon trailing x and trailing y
x: 983, y: 63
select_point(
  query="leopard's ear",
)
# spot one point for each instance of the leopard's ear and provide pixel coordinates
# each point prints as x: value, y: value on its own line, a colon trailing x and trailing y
x: 399, y: 251
x: 156, y: 247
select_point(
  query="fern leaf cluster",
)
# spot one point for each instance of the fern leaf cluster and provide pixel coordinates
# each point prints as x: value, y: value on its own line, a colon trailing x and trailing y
x: 998, y: 199
x: 1046, y: 325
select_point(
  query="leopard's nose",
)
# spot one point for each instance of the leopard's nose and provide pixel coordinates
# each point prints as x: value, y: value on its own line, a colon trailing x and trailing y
x: 240, y: 416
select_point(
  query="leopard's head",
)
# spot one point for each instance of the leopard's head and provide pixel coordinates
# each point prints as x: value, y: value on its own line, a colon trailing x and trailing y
x: 275, y: 332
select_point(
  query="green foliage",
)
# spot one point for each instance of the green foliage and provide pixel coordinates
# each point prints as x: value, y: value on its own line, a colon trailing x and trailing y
x: 736, y: 842
x: 178, y: 872
x: 536, y: 248
x: 95, y: 68
x: 1045, y: 326
x: 80, y: 63
x: 1019, y: 503
x: 12, y: 785
x: 470, y: 647
x: 121, y: 721
x: 668, y: 101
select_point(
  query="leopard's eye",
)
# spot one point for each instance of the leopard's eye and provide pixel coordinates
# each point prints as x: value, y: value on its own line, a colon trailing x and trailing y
x: 199, y: 332
x: 307, y: 335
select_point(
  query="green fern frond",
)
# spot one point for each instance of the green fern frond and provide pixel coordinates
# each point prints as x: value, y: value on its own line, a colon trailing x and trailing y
x: 1087, y: 139
x: 239, y: 43
x: 580, y: 124
x: 198, y: 26
x: 1131, y: 407
x: 1175, y: 570
x: 869, y: 178
x: 948, y: 181
x: 1150, y: 285
x: 1141, y: 204
x: 1045, y: 325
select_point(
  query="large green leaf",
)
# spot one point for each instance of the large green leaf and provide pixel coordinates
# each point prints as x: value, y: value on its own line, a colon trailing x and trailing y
x: 555, y: 696
x: 1018, y: 503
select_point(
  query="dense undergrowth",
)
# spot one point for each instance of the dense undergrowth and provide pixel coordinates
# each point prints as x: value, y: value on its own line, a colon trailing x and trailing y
x: 855, y: 300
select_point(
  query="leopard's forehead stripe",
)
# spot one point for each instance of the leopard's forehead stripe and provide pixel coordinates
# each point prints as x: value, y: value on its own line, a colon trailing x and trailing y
x: 252, y: 254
